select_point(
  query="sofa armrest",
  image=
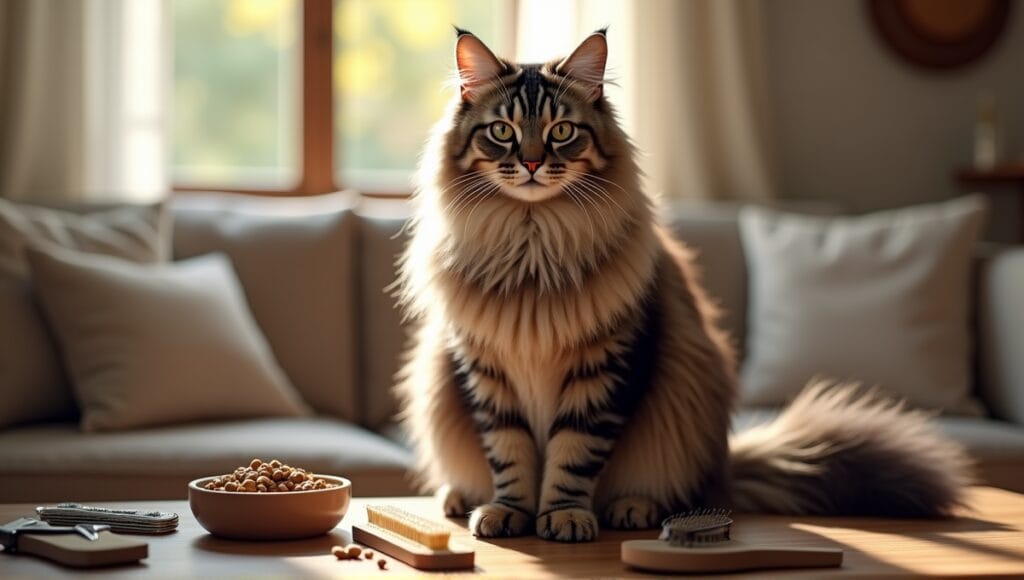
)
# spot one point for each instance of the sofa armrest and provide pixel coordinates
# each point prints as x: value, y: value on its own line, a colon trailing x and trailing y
x: 1000, y: 345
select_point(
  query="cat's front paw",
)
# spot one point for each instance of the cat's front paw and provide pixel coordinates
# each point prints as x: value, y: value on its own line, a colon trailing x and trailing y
x: 495, y: 520
x: 567, y: 525
x: 632, y: 512
x: 452, y: 502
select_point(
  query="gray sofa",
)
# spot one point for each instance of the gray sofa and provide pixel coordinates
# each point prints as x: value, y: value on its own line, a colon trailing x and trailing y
x: 315, y: 272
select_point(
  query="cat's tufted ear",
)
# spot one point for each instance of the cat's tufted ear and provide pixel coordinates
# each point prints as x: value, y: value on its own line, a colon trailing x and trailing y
x: 586, y: 64
x: 477, y: 64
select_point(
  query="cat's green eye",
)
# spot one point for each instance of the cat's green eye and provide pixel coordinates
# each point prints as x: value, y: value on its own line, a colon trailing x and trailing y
x: 561, y: 132
x: 502, y: 131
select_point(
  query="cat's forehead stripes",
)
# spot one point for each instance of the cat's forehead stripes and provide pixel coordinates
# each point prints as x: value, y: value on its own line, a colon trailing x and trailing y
x: 532, y: 92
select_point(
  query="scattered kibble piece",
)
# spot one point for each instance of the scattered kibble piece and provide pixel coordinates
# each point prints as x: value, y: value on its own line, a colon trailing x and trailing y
x: 368, y: 554
x: 382, y: 563
x: 339, y: 552
x: 353, y: 550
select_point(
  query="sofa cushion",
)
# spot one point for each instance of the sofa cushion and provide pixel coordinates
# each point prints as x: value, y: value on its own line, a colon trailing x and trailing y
x: 883, y: 299
x: 295, y: 259
x: 1001, y: 330
x: 32, y: 382
x: 382, y: 238
x: 712, y: 229
x: 158, y: 344
x: 58, y: 462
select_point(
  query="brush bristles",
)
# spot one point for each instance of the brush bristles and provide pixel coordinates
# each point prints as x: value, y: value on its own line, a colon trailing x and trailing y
x: 409, y: 525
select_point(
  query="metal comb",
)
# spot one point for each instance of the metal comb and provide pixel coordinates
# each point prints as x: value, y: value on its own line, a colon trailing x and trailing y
x: 697, y: 527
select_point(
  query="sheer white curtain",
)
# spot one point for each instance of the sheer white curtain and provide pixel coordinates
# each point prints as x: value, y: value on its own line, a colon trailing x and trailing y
x: 691, y: 86
x: 84, y: 99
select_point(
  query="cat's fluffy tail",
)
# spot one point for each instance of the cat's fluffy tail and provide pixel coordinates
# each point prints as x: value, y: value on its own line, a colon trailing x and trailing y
x: 839, y: 451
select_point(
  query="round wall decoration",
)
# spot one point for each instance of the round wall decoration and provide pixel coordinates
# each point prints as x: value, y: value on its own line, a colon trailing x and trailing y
x: 940, y: 34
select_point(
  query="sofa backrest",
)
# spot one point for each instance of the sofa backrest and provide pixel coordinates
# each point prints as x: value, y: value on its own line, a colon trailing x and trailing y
x: 296, y: 259
x: 382, y: 335
x: 317, y: 272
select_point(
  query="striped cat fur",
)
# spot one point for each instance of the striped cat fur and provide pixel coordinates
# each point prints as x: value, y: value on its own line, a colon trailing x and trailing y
x: 567, y: 369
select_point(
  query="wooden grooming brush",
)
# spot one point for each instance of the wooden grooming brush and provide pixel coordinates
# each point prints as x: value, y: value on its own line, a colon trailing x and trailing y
x: 699, y: 542
x: 417, y: 541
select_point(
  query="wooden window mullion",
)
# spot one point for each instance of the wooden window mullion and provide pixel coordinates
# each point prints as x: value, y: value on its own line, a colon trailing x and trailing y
x: 317, y: 98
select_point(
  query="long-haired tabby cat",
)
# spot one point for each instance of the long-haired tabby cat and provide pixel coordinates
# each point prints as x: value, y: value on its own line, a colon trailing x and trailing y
x: 567, y: 368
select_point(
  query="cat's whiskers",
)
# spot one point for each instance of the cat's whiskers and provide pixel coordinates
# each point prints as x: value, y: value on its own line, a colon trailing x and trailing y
x: 459, y: 197
x: 584, y: 190
x: 594, y: 189
x: 592, y: 176
x: 466, y: 177
x: 593, y: 181
x: 559, y: 92
x: 571, y: 191
x: 470, y: 194
x: 602, y: 193
x: 461, y: 183
x: 466, y: 182
x: 469, y: 218
x: 499, y: 85
x: 472, y: 188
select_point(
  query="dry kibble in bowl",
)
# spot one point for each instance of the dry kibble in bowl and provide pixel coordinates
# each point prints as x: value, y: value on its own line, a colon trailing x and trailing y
x: 267, y: 477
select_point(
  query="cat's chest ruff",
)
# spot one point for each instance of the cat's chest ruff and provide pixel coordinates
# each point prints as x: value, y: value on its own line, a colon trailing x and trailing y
x: 537, y: 385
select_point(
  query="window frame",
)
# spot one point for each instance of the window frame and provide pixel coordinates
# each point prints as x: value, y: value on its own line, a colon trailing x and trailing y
x: 316, y: 139
x: 317, y: 173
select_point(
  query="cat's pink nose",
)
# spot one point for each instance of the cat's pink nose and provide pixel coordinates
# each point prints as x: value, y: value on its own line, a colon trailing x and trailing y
x: 531, y: 166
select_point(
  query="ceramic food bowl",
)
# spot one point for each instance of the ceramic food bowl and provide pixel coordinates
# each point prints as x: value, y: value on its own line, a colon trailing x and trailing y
x: 284, y: 515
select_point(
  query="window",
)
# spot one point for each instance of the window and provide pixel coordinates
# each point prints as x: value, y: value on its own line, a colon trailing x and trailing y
x: 293, y: 97
x: 236, y: 93
x: 392, y: 61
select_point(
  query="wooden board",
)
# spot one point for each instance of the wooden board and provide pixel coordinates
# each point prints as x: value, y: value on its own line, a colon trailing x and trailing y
x: 730, y: 556
x: 79, y: 552
x: 414, y: 554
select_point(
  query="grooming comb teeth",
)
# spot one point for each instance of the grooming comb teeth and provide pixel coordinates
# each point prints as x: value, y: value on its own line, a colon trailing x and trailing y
x: 697, y: 527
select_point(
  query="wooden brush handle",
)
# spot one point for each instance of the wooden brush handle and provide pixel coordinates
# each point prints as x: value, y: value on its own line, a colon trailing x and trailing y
x: 732, y: 556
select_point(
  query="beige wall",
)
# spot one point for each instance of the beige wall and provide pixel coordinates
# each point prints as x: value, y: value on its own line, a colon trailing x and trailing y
x: 853, y: 123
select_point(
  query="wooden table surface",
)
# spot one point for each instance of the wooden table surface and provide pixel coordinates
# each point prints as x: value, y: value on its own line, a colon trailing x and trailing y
x: 987, y: 540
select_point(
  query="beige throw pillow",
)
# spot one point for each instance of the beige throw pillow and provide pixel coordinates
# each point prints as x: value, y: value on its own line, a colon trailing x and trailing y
x: 295, y: 257
x: 883, y: 299
x: 159, y: 344
x: 32, y: 383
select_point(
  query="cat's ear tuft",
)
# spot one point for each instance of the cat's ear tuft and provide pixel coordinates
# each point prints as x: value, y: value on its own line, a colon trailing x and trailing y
x: 586, y: 64
x: 477, y: 64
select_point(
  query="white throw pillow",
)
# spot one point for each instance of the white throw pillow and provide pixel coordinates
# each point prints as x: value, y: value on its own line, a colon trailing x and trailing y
x: 882, y: 299
x: 159, y: 344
